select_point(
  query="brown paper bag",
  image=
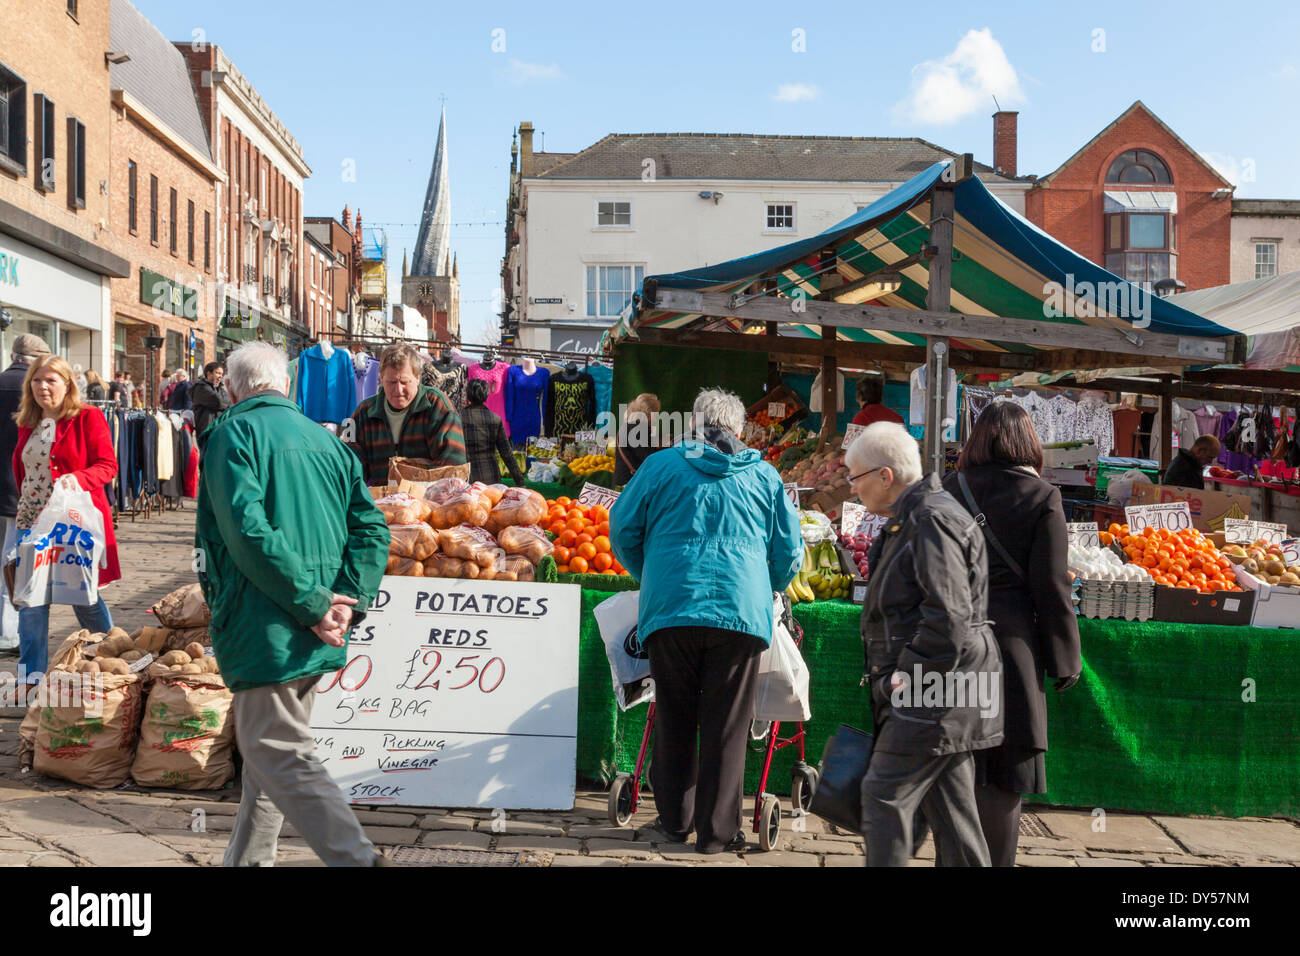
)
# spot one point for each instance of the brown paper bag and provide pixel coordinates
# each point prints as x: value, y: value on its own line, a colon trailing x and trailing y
x: 88, y: 728
x: 422, y: 469
x: 184, y: 607
x: 65, y: 660
x: 187, y: 738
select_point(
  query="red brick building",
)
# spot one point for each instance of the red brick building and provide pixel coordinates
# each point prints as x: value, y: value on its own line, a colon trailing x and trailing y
x: 1139, y: 201
x: 335, y: 284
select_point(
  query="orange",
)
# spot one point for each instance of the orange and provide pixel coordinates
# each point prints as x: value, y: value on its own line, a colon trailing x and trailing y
x: 618, y: 567
x: 578, y: 564
x: 598, y: 513
x: 562, y: 568
x: 602, y: 562
x: 1105, y: 538
x: 1148, y: 532
x: 1150, y: 561
x: 563, y: 502
x: 556, y: 528
x: 1114, y: 528
x: 587, y: 550
x: 603, y: 528
x: 575, y: 524
x: 602, y: 544
x: 568, y: 538
x: 1163, y: 565
x: 585, y: 538
x: 562, y: 554
x: 609, y: 571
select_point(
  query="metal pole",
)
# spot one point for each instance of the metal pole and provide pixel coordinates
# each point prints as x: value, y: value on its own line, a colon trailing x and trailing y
x: 938, y: 299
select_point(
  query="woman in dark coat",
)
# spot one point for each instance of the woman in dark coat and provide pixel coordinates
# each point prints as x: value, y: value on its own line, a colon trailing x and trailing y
x: 1030, y: 606
x: 637, y: 438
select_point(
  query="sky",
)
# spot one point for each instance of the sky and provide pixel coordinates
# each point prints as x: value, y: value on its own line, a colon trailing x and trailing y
x: 360, y: 86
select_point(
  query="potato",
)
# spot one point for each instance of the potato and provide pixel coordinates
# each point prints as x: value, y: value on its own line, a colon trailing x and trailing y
x: 191, y: 669
x: 88, y: 667
x: 175, y: 657
x: 117, y: 632
x: 115, y: 645
x: 175, y: 668
x: 209, y: 665
x: 194, y: 649
x: 114, y: 665
x: 132, y: 655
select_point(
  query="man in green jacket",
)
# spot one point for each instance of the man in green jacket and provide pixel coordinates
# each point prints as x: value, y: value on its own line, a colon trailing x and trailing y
x: 290, y: 552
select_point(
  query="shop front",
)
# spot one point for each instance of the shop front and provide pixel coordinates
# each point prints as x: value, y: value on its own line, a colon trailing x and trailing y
x: 242, y: 323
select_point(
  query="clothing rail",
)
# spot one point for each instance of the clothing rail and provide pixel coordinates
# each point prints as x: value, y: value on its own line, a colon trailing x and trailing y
x: 431, y: 345
x: 150, y: 499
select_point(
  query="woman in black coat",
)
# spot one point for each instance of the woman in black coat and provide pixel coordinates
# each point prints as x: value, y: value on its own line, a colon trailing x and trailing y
x: 1029, y: 603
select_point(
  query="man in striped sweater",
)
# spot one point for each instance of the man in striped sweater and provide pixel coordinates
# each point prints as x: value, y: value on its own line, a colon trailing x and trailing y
x: 405, y: 419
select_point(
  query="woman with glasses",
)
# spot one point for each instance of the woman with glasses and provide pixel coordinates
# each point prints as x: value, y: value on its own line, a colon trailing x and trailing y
x: 1029, y: 602
x: 932, y: 662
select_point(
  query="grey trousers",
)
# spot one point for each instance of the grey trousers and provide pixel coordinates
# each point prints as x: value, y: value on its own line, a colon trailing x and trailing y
x: 283, y: 779
x: 943, y: 788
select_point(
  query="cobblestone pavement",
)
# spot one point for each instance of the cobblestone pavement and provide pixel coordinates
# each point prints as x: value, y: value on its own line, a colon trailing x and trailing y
x: 48, y: 822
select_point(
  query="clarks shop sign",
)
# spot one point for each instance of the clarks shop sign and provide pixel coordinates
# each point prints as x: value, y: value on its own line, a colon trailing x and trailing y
x: 166, y: 295
x: 8, y: 269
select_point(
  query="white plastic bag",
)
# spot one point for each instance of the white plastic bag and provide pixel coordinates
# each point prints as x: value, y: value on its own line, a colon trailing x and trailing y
x: 814, y: 527
x: 1119, y: 490
x: 60, y: 558
x: 782, y: 692
x: 629, y: 662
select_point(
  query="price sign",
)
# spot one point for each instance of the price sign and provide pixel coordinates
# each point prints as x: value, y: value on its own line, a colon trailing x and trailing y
x: 1242, y: 531
x: 851, y: 432
x: 792, y: 492
x: 855, y: 520
x: 776, y: 411
x: 1291, y: 551
x: 541, y: 448
x: 456, y: 693
x: 596, y: 495
x: 584, y: 436
x: 1172, y: 515
x: 1084, y: 533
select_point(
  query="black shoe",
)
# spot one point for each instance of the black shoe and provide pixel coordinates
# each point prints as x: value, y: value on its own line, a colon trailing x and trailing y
x: 736, y: 844
x: 673, y: 836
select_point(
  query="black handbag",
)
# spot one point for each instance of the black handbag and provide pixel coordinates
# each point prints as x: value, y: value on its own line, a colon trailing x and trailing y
x: 838, y: 797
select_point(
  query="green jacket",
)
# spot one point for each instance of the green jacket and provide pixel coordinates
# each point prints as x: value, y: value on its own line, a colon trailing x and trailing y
x: 284, y: 523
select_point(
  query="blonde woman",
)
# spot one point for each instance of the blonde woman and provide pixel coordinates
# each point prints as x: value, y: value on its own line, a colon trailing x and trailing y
x: 59, y: 439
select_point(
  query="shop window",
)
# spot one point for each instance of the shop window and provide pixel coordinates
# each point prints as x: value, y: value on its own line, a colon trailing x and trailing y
x: 780, y: 217
x: 76, y: 164
x: 43, y: 109
x: 1140, y: 246
x: 610, y: 288
x: 175, y: 350
x: 132, y: 197
x: 614, y: 213
x: 207, y: 241
x: 1265, y: 259
x: 171, y: 219
x: 153, y: 209
x: 13, y: 122
x: 1138, y: 166
x: 189, y: 230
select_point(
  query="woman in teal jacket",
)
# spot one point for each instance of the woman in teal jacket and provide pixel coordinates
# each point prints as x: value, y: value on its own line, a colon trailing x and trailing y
x: 705, y: 526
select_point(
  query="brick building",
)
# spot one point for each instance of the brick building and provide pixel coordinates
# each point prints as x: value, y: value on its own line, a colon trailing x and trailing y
x: 337, y: 292
x: 162, y: 188
x: 1137, y: 200
x: 57, y: 256
x: 259, y: 227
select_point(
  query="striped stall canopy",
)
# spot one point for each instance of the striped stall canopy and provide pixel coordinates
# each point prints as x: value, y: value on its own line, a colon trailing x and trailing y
x: 1003, y: 266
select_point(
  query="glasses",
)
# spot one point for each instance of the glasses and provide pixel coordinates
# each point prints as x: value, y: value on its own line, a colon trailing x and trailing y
x: 853, y: 478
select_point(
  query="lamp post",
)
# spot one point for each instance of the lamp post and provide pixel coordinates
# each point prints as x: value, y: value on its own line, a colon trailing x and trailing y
x: 153, y: 343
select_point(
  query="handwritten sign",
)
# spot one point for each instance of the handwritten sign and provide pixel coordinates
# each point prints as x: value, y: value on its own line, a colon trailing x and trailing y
x: 589, y: 436
x: 456, y: 693
x: 1083, y: 533
x: 1291, y: 551
x: 792, y: 492
x: 541, y: 448
x: 1244, y: 531
x: 851, y: 432
x: 596, y: 495
x: 776, y: 411
x: 855, y: 520
x: 1172, y: 516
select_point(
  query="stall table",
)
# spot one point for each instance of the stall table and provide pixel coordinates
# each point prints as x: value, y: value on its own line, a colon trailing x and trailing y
x: 1166, y: 718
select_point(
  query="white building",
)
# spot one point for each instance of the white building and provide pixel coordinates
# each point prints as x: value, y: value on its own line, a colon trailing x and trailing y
x: 1265, y: 238
x: 583, y: 229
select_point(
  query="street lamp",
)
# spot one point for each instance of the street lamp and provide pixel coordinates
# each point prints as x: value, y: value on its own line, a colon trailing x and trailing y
x: 153, y: 343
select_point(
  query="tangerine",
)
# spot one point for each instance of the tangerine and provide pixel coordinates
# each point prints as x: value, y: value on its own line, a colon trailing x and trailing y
x: 602, y: 562
x: 587, y: 550
x: 585, y: 538
x: 562, y: 555
x: 578, y: 564
x: 562, y: 568
x: 602, y: 544
x: 575, y: 524
x: 563, y: 502
x: 603, y: 528
x: 598, y: 513
x: 569, y: 538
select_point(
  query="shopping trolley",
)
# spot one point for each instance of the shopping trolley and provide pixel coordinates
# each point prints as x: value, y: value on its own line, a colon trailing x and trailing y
x: 625, y: 790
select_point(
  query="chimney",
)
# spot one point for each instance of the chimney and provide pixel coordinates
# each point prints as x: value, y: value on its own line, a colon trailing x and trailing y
x: 1004, y: 142
x: 347, y: 218
x: 526, y: 148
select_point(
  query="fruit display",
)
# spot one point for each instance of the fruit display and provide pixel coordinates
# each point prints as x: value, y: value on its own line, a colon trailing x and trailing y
x: 1178, y: 559
x: 1266, y: 562
x: 1102, y: 564
x: 581, y: 537
x: 819, y: 578
x: 588, y: 463
x: 857, y: 545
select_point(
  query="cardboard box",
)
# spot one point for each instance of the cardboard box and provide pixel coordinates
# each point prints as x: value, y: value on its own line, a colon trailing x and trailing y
x: 1275, y: 606
x: 1185, y: 606
x: 1208, y: 508
x: 1084, y: 455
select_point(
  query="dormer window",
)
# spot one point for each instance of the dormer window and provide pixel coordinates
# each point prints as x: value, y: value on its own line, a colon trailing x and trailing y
x: 1138, y: 166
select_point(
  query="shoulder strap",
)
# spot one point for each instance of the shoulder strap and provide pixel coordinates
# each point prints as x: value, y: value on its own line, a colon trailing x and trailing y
x: 988, y: 532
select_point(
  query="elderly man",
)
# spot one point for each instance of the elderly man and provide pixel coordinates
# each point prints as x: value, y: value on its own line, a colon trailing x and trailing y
x: 405, y: 419
x: 1188, y: 467
x: 705, y: 526
x: 25, y: 348
x: 292, y: 549
x: 933, y: 664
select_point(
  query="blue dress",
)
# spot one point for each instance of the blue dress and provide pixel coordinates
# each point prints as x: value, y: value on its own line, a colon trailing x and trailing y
x: 524, y: 396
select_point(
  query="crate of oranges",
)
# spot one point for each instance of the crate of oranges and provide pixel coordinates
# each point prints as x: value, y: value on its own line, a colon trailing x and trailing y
x: 1177, y: 559
x: 581, y: 538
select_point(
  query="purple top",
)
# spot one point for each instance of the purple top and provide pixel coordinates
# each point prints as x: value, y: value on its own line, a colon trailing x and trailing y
x: 367, y: 378
x: 1232, y: 460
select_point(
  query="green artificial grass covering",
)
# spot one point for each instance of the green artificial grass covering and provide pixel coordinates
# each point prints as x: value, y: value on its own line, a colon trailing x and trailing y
x: 1156, y: 723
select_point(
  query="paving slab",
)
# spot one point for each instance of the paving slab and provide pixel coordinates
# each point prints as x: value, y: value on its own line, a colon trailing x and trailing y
x: 438, y: 821
x: 586, y: 831
x: 455, y: 839
x: 549, y: 844
x: 19, y: 845
x: 55, y: 816
x: 1107, y: 861
x: 384, y: 818
x: 622, y: 849
x: 117, y: 849
x: 1044, y: 860
x: 1127, y: 832
x: 1259, y: 839
x: 515, y: 827
x: 52, y: 859
x: 569, y: 861
x: 149, y: 819
x: 839, y: 859
x: 781, y: 858
x: 829, y: 847
x: 392, y: 836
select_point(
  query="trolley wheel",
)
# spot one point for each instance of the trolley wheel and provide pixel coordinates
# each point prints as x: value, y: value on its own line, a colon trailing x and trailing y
x: 803, y: 784
x: 769, y: 823
x: 620, y: 800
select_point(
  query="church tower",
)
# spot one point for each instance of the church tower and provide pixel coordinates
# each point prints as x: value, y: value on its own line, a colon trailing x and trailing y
x: 432, y: 286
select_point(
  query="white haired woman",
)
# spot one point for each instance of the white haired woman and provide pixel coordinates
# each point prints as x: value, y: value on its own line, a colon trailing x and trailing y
x: 705, y: 526
x: 932, y: 662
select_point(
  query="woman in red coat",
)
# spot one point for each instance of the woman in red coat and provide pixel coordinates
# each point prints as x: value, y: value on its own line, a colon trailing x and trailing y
x: 59, y: 439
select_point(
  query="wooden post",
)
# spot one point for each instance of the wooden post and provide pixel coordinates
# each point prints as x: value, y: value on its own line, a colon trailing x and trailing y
x: 830, y: 394
x: 1166, y: 428
x: 938, y: 298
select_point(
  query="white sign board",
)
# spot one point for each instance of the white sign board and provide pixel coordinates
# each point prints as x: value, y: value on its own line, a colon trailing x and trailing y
x: 596, y: 495
x: 456, y: 693
x: 851, y: 432
x: 586, y: 436
x: 855, y: 520
x: 792, y: 490
x: 1173, y: 515
x: 776, y: 411
x: 1291, y: 551
x: 1242, y: 531
x: 1083, y: 533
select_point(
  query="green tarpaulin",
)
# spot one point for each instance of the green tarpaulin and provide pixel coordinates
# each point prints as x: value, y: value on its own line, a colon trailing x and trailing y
x: 1159, y: 722
x: 677, y: 374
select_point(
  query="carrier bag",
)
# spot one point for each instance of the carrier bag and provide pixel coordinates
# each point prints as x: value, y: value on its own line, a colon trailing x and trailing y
x: 845, y: 760
x: 782, y: 692
x: 60, y: 558
x: 88, y: 728
x: 629, y: 661
x: 187, y: 738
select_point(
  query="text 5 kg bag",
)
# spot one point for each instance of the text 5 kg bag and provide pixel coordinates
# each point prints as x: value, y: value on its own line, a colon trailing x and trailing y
x: 60, y: 558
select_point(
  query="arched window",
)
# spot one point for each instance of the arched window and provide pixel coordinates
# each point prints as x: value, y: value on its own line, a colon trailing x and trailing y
x: 1138, y: 166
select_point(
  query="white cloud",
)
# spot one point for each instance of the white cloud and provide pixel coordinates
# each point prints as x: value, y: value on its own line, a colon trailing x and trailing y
x: 1287, y: 72
x: 963, y: 82
x: 521, y: 72
x: 796, y: 92
x: 1236, y: 170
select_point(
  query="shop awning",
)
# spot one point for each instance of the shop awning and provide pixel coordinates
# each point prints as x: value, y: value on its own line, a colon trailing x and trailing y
x: 1267, y: 310
x: 1003, y: 267
x: 1122, y: 200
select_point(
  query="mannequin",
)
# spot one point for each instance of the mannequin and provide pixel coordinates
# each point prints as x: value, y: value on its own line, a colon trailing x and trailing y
x: 489, y: 359
x: 326, y: 348
x: 528, y: 365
